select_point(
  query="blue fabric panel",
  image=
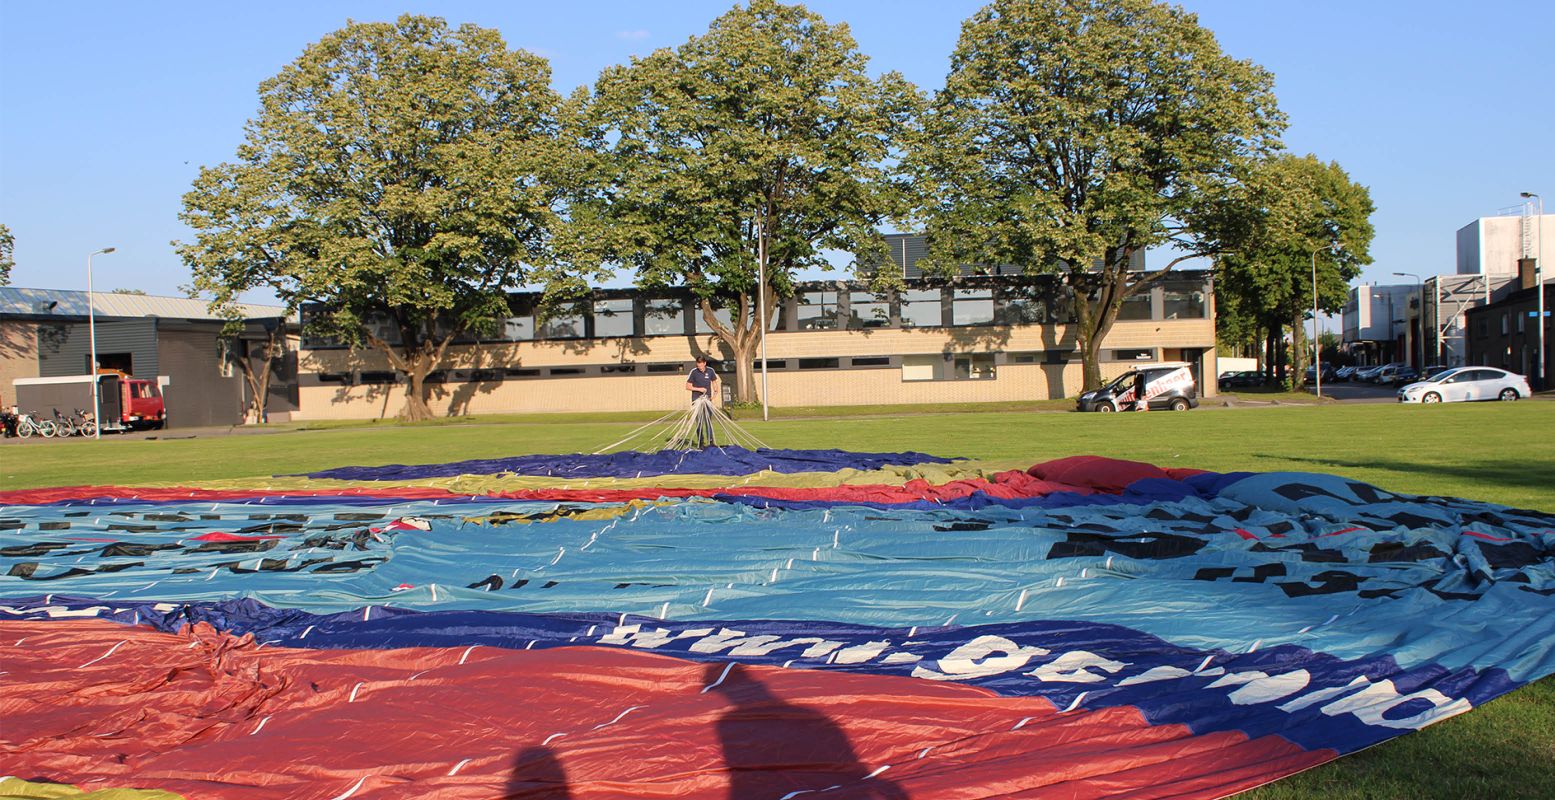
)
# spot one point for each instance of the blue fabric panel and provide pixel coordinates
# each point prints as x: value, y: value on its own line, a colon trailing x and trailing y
x: 712, y: 461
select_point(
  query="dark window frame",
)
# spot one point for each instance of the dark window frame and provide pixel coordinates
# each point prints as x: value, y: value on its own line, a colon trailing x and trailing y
x: 1113, y: 354
x: 378, y: 377
x: 631, y: 314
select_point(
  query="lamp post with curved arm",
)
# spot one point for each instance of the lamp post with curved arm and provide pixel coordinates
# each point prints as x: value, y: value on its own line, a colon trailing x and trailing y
x: 1420, y: 293
x: 91, y: 327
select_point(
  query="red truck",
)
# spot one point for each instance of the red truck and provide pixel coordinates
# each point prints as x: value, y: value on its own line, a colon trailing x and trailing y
x: 126, y: 403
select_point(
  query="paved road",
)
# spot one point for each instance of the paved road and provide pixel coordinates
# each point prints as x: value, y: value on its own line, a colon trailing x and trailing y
x: 1359, y: 392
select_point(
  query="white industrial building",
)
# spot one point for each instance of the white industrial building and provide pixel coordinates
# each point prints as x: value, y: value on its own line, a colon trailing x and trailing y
x: 1424, y: 322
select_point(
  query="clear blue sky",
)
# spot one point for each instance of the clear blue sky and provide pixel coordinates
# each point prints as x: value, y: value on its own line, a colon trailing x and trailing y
x: 107, y: 110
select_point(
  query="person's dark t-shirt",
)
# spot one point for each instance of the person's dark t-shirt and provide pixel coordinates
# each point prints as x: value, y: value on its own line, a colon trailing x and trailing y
x: 702, y: 378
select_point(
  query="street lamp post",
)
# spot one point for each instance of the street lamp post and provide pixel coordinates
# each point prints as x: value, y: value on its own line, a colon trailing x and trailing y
x: 91, y: 327
x: 1538, y: 286
x: 1420, y: 293
x: 1317, y: 341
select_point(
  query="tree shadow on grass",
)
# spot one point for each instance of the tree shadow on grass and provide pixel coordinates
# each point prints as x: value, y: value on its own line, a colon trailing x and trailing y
x: 1534, y: 474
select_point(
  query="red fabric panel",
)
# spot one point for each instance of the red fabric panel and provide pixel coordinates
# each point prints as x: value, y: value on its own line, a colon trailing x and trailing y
x: 1080, y: 474
x: 220, y: 536
x: 1111, y: 475
x: 1016, y: 483
x: 212, y: 716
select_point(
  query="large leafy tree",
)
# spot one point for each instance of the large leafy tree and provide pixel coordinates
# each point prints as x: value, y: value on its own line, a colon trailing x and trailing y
x: 394, y: 169
x: 764, y: 136
x: 1073, y: 133
x: 7, y: 260
x: 1304, y: 216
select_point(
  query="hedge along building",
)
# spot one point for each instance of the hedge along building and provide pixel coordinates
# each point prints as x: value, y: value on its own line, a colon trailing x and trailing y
x: 978, y: 338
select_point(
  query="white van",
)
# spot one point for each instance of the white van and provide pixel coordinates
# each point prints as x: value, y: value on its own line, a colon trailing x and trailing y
x: 1169, y: 386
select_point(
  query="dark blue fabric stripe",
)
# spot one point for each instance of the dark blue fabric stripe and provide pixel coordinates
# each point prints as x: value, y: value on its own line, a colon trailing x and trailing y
x: 712, y: 461
x: 1071, y: 664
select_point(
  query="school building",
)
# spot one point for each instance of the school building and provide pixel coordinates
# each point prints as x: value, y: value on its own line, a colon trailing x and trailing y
x: 995, y: 336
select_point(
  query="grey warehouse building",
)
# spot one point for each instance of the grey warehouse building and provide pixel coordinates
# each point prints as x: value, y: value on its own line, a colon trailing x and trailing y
x: 44, y: 333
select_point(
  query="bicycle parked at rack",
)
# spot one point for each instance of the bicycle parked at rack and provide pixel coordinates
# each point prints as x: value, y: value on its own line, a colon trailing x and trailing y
x: 64, y: 427
x: 28, y: 424
x: 84, y: 421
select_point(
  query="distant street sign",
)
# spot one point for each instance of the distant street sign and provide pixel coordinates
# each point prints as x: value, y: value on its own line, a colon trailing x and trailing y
x: 1535, y: 313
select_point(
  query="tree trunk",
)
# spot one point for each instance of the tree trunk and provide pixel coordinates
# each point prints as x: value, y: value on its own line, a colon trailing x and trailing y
x: 1090, y: 362
x: 1281, y: 354
x: 745, y: 372
x: 275, y: 345
x: 1091, y: 324
x: 415, y: 359
x: 742, y: 336
x: 1272, y: 368
x: 1094, y: 320
x: 416, y: 408
x: 258, y: 387
x: 1298, y: 351
x: 259, y: 383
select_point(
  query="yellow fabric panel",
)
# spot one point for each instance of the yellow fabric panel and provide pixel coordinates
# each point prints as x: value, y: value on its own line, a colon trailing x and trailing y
x: 482, y: 484
x: 18, y: 789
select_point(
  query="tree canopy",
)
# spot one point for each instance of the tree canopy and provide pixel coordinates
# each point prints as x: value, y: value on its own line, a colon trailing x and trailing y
x: 1072, y: 133
x: 1303, y: 215
x: 7, y: 251
x: 768, y: 122
x: 393, y: 168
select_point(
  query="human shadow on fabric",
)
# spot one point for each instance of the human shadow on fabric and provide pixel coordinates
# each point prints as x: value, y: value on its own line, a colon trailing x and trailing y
x: 537, y: 775
x: 773, y: 748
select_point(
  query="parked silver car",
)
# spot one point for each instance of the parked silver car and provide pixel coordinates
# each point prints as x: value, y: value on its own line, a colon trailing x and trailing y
x: 1385, y: 375
x: 1369, y: 374
x: 1467, y: 383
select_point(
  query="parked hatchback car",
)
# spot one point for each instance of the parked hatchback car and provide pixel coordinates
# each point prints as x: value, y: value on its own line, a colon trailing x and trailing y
x: 1236, y: 380
x: 1168, y: 385
x: 1405, y: 375
x: 1328, y: 374
x: 1463, y: 384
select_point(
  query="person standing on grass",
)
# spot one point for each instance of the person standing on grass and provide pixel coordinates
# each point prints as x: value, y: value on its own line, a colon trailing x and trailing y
x: 702, y: 382
x: 1140, y: 403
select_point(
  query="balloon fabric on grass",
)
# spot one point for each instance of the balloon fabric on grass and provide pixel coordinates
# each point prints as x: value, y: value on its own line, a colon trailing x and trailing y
x: 773, y: 624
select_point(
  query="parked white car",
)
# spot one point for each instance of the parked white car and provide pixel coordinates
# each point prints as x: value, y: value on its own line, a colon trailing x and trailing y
x: 1467, y: 383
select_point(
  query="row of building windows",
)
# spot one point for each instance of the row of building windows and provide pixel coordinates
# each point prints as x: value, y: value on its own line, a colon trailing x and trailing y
x: 914, y: 367
x: 1509, y: 320
x: 833, y: 306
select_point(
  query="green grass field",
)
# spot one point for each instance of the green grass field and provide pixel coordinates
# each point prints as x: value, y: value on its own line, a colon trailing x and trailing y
x: 1499, y: 452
